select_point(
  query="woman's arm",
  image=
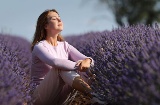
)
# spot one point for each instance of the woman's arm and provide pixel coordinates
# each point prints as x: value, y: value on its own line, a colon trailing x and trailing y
x: 42, y: 53
x: 84, y: 62
x: 75, y: 55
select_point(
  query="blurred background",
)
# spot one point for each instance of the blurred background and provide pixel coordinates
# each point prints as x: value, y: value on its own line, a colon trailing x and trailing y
x: 19, y: 17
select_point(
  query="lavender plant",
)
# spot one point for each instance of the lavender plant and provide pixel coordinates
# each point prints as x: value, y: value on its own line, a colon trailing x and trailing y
x: 127, y: 63
x: 14, y: 70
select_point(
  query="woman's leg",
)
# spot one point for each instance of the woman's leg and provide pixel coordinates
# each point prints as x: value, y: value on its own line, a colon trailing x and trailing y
x: 48, y: 91
x: 74, y: 80
x: 77, y: 82
x: 80, y: 85
x: 65, y: 93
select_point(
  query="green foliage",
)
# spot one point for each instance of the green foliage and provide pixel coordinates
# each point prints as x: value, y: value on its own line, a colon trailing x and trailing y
x: 134, y: 11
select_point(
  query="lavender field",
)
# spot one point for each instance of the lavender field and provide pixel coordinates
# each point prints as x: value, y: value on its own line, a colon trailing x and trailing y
x: 15, y: 61
x: 127, y: 65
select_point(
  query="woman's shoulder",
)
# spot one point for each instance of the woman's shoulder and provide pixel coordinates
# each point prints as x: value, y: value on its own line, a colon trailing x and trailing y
x: 40, y: 44
x: 43, y: 43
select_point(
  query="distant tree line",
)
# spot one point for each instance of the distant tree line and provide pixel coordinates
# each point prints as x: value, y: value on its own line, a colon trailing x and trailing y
x: 134, y: 11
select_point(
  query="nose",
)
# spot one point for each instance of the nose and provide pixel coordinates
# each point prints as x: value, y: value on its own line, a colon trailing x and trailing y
x: 59, y: 20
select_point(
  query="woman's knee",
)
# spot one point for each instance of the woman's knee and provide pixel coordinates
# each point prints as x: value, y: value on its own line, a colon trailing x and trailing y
x: 68, y: 76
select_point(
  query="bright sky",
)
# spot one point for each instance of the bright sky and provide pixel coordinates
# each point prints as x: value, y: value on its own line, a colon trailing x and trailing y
x: 18, y: 17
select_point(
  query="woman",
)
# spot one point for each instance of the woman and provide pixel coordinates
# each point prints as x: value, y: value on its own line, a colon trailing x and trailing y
x: 57, y: 67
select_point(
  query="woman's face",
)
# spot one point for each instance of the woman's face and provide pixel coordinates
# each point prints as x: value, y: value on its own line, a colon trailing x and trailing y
x: 54, y: 22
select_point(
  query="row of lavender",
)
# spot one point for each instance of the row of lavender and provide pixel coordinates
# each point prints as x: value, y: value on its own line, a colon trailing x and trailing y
x: 15, y: 58
x: 127, y: 63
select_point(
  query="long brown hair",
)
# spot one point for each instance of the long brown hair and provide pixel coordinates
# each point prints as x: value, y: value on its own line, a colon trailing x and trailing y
x: 40, y: 33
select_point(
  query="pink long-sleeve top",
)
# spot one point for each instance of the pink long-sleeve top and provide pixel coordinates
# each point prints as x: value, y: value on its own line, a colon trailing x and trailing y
x: 45, y: 56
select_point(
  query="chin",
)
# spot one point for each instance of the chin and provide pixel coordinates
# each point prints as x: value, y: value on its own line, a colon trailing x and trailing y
x: 61, y: 29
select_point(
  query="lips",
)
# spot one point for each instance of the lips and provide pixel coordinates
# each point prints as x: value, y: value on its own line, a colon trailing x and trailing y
x: 59, y: 24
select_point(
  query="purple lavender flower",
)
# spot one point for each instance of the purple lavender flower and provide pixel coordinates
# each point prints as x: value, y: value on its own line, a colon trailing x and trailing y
x: 127, y: 63
x: 15, y: 58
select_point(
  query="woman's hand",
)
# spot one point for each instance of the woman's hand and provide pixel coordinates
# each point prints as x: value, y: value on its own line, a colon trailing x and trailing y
x: 84, y: 64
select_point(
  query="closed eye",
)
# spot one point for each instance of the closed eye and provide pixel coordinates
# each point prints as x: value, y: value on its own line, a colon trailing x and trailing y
x: 54, y: 18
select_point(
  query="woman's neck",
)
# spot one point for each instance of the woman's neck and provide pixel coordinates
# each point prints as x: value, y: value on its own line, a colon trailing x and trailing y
x: 52, y: 40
